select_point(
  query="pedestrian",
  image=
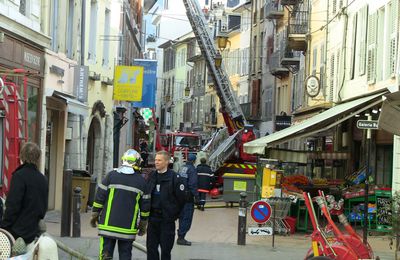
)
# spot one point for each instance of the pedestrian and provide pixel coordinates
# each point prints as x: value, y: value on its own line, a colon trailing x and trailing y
x: 168, y: 195
x: 144, y: 152
x: 185, y: 219
x: 119, y: 199
x: 205, y: 181
x: 26, y: 202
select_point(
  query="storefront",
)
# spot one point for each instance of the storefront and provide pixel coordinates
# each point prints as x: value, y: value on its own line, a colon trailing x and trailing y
x: 332, y: 156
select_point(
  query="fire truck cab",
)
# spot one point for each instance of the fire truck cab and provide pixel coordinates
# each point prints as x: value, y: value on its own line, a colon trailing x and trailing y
x: 180, y: 141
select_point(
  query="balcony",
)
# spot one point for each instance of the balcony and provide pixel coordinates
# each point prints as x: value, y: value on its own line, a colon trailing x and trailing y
x: 273, y: 10
x: 290, y: 58
x: 298, y: 29
x: 291, y: 2
x: 275, y: 66
x: 246, y: 108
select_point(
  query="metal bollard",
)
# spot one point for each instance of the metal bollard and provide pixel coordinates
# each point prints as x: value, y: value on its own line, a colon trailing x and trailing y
x: 242, y: 219
x: 76, y: 218
x: 66, y: 204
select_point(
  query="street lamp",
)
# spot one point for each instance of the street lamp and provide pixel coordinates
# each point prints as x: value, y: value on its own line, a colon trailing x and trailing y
x: 187, y: 91
x: 222, y: 41
x: 218, y: 60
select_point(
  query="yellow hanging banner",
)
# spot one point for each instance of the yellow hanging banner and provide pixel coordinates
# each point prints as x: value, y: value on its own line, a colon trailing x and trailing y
x: 128, y: 83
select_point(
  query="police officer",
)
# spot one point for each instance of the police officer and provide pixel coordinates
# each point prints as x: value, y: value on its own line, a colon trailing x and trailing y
x: 119, y: 200
x: 168, y: 195
x: 205, y: 179
x: 185, y: 219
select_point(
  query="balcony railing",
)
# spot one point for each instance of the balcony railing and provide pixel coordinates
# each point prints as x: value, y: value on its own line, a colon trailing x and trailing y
x: 299, y: 22
x: 246, y: 108
x: 273, y: 9
x: 275, y: 65
x: 291, y: 2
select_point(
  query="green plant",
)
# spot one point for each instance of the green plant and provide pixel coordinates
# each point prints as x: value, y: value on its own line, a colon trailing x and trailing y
x: 395, y: 237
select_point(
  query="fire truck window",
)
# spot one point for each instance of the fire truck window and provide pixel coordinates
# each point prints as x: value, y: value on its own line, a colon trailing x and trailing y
x: 32, y: 112
x: 164, y: 141
x: 187, y: 141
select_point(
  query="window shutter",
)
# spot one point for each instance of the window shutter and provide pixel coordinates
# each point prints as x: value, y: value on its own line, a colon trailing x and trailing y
x: 363, y: 35
x: 393, y: 37
x: 334, y: 4
x: 353, y: 47
x: 371, y: 58
x: 332, y: 77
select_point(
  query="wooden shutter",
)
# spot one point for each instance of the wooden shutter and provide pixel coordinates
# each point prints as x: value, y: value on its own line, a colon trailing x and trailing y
x: 393, y: 37
x: 353, y: 47
x: 363, y: 38
x: 371, y: 54
x: 332, y: 77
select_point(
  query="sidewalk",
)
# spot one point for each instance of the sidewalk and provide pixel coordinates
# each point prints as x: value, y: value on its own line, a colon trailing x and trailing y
x: 214, y: 236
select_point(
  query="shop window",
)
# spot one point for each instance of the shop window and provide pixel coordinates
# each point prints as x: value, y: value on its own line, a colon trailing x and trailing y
x: 33, y: 102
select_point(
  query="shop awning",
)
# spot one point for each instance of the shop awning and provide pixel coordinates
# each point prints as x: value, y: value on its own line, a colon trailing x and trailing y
x: 389, y: 118
x: 315, y: 124
x: 74, y: 106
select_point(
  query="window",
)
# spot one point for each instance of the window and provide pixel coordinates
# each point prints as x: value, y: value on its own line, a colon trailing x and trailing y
x: 54, y: 26
x: 106, y: 42
x: 371, y: 54
x: 332, y: 77
x: 314, y: 63
x: 93, y: 31
x: 22, y: 7
x: 322, y: 67
x: 33, y: 102
x: 70, y: 25
x: 261, y: 51
x: 253, y: 70
x: 166, y: 4
x: 392, y: 41
x: 334, y: 5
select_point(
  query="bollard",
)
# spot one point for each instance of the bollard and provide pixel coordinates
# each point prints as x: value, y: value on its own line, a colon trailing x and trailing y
x: 76, y: 217
x: 273, y: 226
x: 242, y: 219
x: 66, y: 204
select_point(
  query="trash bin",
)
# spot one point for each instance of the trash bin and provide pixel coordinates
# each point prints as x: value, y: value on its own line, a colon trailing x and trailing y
x: 235, y: 183
x: 81, y: 178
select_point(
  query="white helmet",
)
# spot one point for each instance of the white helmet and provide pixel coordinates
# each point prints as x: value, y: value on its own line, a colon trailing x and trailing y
x: 131, y: 158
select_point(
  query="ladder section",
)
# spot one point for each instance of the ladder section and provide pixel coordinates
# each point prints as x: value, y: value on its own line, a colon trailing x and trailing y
x: 234, y: 117
x: 224, y: 151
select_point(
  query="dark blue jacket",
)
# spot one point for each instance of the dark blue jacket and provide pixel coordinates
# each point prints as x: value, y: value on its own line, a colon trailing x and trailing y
x: 189, y: 171
x: 205, y: 177
x: 172, y: 194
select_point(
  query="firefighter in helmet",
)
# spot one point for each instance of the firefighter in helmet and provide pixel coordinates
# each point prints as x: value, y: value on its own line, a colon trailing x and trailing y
x: 121, y: 207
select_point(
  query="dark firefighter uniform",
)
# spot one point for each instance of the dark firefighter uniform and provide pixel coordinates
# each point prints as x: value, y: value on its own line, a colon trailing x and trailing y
x: 205, y: 179
x: 168, y: 195
x: 120, y: 198
x: 185, y: 219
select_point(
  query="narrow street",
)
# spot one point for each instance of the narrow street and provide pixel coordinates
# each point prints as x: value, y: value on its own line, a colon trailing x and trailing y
x: 214, y: 236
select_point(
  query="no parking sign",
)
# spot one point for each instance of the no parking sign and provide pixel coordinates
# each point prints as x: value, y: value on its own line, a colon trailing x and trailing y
x: 260, y: 211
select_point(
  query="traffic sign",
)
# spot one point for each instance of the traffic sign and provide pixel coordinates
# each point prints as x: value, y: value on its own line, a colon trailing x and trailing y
x: 367, y: 124
x: 260, y: 231
x: 260, y: 211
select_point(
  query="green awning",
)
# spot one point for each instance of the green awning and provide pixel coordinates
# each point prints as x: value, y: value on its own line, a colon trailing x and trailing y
x: 315, y: 124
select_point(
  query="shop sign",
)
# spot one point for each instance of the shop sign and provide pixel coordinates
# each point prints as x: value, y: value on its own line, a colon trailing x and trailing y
x: 128, y: 83
x: 282, y: 122
x: 367, y: 124
x: 81, y: 77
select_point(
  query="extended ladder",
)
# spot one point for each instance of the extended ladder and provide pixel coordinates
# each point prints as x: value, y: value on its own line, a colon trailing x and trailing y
x: 231, y: 109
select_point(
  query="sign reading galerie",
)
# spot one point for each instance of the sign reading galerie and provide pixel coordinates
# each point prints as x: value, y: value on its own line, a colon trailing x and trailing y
x: 128, y: 83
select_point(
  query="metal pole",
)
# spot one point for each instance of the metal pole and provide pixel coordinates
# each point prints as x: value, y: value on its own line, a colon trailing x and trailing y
x: 76, y: 226
x: 66, y: 204
x: 273, y: 225
x: 242, y: 219
x: 366, y: 200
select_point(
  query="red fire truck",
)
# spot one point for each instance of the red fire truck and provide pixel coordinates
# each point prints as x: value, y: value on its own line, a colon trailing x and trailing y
x: 180, y: 141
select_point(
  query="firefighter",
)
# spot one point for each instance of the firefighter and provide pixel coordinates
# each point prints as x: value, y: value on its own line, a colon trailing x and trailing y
x: 168, y: 196
x: 185, y: 219
x: 205, y: 180
x: 119, y: 199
